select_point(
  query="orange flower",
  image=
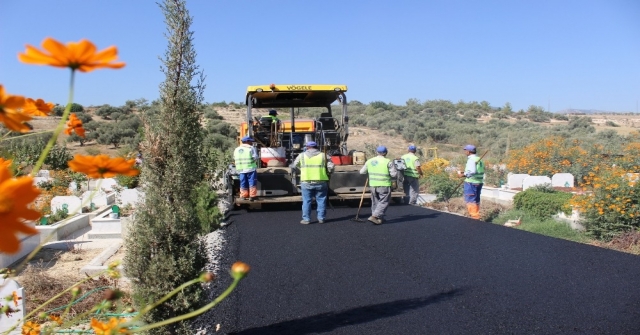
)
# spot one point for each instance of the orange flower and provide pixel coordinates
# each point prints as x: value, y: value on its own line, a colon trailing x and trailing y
x: 103, y: 166
x: 80, y: 55
x: 37, y: 107
x: 74, y: 125
x: 9, y: 114
x: 240, y: 269
x: 15, y: 297
x: 15, y: 197
x: 31, y: 328
x: 5, y: 163
x: 55, y: 318
x: 108, y: 328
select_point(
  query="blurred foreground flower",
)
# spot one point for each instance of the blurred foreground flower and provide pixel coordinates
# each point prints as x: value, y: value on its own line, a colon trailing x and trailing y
x: 5, y: 163
x: 74, y: 125
x: 108, y: 328
x: 31, y: 328
x: 239, y: 270
x: 37, y: 107
x: 103, y: 166
x: 80, y: 55
x: 15, y: 196
x: 9, y: 114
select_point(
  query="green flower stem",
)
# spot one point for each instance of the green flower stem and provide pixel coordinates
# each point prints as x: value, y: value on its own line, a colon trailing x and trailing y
x: 147, y: 308
x: 26, y: 135
x: 191, y: 314
x: 56, y: 133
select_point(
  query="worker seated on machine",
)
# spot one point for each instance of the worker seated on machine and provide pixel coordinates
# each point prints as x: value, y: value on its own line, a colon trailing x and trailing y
x: 271, y: 121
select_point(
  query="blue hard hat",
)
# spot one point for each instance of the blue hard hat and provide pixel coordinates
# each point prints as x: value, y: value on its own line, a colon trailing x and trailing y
x: 469, y: 147
x: 412, y: 148
x: 312, y: 144
x: 247, y: 139
x: 381, y: 149
x: 273, y: 112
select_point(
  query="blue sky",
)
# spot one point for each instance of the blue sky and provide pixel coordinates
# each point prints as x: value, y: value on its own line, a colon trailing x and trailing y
x: 558, y: 54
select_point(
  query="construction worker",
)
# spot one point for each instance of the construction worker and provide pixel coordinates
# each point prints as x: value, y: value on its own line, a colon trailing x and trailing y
x: 273, y: 114
x: 314, y: 180
x: 474, y: 174
x: 411, y: 184
x: 246, y: 161
x: 381, y: 171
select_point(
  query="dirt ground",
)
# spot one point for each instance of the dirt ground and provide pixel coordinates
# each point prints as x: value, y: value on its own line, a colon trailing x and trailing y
x: 57, y: 262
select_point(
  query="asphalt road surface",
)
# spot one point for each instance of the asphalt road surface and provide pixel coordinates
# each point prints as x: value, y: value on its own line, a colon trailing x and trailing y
x: 423, y: 272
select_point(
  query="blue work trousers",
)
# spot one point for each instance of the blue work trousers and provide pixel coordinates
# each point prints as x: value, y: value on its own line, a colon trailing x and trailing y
x: 309, y: 191
x: 248, y: 180
x: 472, y: 192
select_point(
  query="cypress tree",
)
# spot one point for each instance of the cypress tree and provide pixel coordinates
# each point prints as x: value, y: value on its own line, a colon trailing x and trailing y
x: 164, y: 246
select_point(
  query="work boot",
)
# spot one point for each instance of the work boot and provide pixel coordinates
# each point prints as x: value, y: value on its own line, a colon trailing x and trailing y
x: 304, y: 222
x: 474, y: 210
x: 375, y: 220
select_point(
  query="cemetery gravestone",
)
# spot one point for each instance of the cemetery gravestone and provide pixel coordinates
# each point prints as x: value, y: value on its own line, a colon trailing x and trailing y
x: 108, y: 184
x: 562, y: 180
x: 98, y: 198
x: 7, y: 287
x: 535, y: 181
x: 130, y: 197
x: 515, y: 180
x: 72, y: 203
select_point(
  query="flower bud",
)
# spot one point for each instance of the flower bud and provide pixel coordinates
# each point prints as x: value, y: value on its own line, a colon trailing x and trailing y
x: 43, y: 316
x: 129, y: 310
x: 239, y: 270
x: 207, y: 277
x: 76, y: 290
x: 114, y: 264
x: 112, y: 295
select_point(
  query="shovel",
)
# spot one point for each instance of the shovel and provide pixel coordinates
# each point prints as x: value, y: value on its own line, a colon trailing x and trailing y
x: 357, y: 219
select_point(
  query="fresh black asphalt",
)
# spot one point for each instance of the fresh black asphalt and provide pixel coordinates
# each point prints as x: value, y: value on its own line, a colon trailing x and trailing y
x: 422, y: 272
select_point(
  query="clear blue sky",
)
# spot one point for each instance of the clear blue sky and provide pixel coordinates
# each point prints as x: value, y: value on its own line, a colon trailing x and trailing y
x: 557, y: 53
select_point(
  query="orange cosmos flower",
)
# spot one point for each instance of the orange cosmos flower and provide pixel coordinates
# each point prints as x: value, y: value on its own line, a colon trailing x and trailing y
x: 80, y: 55
x: 74, y: 125
x: 55, y: 318
x: 240, y: 269
x: 108, y: 328
x: 31, y: 328
x: 37, y: 107
x: 9, y: 114
x: 15, y: 197
x: 5, y: 163
x: 15, y: 297
x: 103, y: 166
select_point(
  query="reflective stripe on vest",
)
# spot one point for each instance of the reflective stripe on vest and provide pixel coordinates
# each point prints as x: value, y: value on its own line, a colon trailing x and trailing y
x: 313, y: 168
x: 410, y: 163
x: 378, y: 168
x: 478, y: 177
x: 243, y: 158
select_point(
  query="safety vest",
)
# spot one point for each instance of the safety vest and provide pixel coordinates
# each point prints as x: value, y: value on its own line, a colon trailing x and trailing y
x: 478, y: 177
x: 378, y: 168
x: 244, y: 159
x: 410, y: 163
x: 313, y: 168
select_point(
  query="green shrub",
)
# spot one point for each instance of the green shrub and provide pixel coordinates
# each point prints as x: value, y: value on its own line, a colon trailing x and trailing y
x: 128, y: 181
x: 548, y: 226
x: 542, y: 203
x: 611, y: 124
x: 443, y: 186
x: 206, y: 201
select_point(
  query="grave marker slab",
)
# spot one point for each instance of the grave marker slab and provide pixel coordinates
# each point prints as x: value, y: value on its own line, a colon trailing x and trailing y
x: 108, y: 184
x: 72, y: 203
x: 130, y: 196
x: 7, y: 287
x: 515, y: 180
x: 562, y: 180
x: 98, y: 198
x: 535, y: 181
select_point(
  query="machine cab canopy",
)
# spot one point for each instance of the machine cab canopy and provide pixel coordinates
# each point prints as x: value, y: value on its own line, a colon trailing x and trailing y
x: 279, y: 96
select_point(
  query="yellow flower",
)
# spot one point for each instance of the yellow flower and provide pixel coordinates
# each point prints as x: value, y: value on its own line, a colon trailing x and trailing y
x: 80, y: 55
x: 15, y: 197
x: 103, y: 166
x: 108, y: 328
x: 9, y: 114
x: 31, y: 328
x: 37, y: 107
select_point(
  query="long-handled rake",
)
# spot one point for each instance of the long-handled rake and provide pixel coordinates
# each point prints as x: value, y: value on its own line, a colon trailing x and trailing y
x: 357, y: 218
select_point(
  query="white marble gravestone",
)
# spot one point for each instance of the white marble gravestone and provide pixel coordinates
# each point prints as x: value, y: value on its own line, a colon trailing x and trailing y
x: 130, y: 197
x: 562, y: 180
x: 98, y: 198
x: 7, y: 287
x: 535, y: 181
x: 515, y: 180
x: 107, y: 184
x: 73, y: 204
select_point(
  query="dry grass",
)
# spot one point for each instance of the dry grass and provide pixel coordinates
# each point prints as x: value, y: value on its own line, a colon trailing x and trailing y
x: 627, y: 242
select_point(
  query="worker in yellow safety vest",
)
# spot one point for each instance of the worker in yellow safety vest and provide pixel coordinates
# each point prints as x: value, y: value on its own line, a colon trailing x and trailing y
x: 411, y: 184
x: 381, y: 170
x: 246, y: 162
x: 314, y: 169
x: 474, y: 179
